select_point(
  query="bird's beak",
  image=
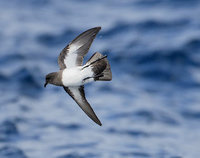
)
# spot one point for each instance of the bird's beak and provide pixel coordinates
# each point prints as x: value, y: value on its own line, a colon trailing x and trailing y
x: 45, y: 84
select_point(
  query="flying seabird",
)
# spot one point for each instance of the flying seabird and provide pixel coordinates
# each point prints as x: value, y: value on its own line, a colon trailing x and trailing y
x: 73, y: 74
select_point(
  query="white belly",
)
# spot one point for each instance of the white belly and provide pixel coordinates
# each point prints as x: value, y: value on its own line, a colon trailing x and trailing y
x: 75, y: 76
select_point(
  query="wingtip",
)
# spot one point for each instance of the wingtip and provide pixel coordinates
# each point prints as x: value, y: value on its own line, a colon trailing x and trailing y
x: 97, y: 28
x: 99, y: 123
x: 96, y: 120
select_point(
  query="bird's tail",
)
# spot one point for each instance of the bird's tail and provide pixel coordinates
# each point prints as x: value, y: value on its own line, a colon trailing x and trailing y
x: 100, y: 67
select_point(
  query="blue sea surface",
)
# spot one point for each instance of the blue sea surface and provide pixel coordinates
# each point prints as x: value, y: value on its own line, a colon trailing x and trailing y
x: 151, y: 108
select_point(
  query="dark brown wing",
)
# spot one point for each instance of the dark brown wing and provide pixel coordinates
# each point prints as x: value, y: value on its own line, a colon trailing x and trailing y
x: 78, y: 94
x: 72, y: 55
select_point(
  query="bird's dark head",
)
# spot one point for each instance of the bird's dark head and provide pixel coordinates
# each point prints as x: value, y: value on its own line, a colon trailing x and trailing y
x: 50, y: 78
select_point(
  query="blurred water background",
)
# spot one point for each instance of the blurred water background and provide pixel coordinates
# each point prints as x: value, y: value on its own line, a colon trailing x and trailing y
x: 150, y: 109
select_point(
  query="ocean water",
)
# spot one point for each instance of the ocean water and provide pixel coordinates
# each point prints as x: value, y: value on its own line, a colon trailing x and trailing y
x: 151, y: 108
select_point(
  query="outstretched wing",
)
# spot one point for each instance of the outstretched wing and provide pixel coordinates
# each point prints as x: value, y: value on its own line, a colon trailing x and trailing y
x: 72, y: 55
x: 78, y: 94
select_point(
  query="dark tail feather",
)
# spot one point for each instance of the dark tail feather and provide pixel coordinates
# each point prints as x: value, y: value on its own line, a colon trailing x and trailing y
x: 100, y: 67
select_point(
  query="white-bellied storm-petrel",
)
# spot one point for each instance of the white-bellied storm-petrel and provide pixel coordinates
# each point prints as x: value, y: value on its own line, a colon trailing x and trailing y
x: 73, y: 75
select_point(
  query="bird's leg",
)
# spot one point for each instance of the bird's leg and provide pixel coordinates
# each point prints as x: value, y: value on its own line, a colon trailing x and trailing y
x: 94, y: 61
x: 86, y: 78
x: 95, y: 77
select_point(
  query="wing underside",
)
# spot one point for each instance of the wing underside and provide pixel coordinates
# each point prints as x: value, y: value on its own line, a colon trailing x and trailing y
x: 72, y: 55
x: 78, y: 94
